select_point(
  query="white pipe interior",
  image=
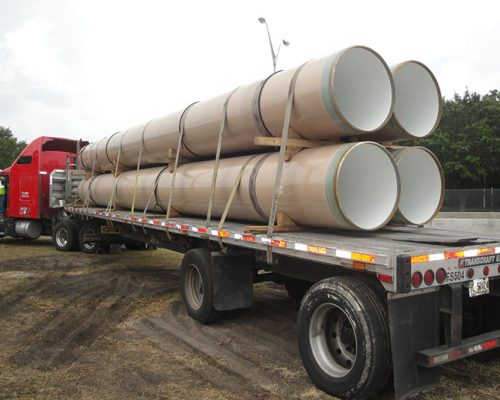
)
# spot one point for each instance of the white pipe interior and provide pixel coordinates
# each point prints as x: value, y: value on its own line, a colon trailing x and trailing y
x: 362, y: 89
x: 421, y: 185
x: 367, y: 186
x: 417, y: 99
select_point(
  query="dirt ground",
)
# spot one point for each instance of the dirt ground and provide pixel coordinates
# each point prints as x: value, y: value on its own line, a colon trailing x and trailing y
x: 113, y: 327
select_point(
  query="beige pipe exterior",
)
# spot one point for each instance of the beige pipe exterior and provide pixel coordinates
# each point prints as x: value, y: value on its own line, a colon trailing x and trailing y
x: 422, y: 185
x: 345, y: 186
x: 348, y: 93
x: 418, y: 103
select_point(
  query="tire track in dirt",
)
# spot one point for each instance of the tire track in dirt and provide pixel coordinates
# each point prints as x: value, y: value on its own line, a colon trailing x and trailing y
x: 204, y: 369
x: 235, y: 354
x: 224, y: 368
x: 68, y: 332
x: 14, y: 299
x: 88, y: 306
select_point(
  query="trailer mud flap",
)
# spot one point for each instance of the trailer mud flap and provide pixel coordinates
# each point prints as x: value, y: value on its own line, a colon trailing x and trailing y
x: 414, y: 326
x: 232, y: 276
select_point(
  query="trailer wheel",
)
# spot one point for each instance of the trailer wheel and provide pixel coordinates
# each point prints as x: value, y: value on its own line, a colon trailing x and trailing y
x: 196, y: 286
x: 65, y: 236
x: 88, y: 228
x: 344, y: 338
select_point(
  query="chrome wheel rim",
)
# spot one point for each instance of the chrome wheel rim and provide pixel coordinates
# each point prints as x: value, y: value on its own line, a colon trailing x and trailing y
x: 90, y: 246
x: 62, y: 237
x: 333, y: 341
x: 194, y: 287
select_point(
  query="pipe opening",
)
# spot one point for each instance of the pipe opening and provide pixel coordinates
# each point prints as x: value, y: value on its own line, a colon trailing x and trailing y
x: 418, y: 99
x: 363, y: 89
x: 367, y: 186
x: 421, y: 185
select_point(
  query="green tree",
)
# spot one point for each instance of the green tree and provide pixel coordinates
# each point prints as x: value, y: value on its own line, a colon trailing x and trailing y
x: 467, y: 141
x: 10, y: 147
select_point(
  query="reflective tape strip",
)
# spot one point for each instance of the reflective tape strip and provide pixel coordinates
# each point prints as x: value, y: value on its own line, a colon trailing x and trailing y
x: 471, y: 253
x: 436, y: 257
x: 491, y: 250
x: 454, y: 254
x: 300, y: 247
x: 369, y: 258
x: 278, y: 243
x: 316, y: 249
x: 343, y: 254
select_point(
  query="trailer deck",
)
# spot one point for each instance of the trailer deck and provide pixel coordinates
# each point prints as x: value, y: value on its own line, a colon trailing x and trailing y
x: 393, y: 253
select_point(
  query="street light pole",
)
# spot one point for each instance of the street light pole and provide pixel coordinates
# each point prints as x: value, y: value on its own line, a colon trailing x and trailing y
x: 274, y: 55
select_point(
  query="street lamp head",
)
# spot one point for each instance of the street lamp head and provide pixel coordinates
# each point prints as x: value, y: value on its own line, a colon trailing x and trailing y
x: 285, y: 43
x: 262, y: 20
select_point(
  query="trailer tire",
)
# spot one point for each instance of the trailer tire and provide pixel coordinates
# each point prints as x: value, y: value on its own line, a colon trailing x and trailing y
x: 88, y: 248
x: 197, y: 286
x: 344, y: 338
x: 65, y: 236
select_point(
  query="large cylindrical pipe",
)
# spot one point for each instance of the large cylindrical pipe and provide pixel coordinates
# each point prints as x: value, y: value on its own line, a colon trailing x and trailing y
x: 418, y: 103
x: 345, y: 186
x: 422, y: 185
x: 348, y: 93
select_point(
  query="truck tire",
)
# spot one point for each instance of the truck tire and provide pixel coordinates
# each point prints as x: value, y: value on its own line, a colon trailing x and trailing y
x: 65, y: 235
x: 88, y: 228
x: 344, y: 338
x: 197, y: 287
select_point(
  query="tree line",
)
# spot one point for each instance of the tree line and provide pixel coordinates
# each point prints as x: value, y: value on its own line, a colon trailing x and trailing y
x: 467, y: 141
x: 10, y: 147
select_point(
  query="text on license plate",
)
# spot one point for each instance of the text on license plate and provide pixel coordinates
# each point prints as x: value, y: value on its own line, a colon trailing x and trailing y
x: 479, y: 286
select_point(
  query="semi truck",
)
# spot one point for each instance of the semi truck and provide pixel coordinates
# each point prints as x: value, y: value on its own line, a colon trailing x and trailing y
x: 376, y: 308
x: 29, y: 212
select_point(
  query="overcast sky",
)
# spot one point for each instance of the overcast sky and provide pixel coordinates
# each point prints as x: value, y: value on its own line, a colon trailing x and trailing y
x: 87, y: 68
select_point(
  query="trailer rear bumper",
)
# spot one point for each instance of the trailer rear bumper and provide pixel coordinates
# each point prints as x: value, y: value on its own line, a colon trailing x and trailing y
x: 444, y: 354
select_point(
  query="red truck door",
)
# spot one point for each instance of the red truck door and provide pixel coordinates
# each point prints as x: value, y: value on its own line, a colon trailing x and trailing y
x: 24, y: 187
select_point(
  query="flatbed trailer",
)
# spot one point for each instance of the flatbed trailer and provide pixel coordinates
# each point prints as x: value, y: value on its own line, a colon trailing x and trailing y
x: 397, y: 302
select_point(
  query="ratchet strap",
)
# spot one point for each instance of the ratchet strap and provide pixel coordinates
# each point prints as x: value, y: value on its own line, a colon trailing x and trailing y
x: 281, y: 160
x: 217, y: 157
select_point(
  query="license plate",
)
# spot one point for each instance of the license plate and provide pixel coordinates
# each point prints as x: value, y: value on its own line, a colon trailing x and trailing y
x: 479, y: 286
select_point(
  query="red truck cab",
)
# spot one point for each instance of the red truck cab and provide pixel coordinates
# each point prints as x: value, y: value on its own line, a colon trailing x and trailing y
x: 27, y: 182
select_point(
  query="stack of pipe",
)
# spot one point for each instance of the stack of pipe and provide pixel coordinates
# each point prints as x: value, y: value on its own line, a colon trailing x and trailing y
x: 350, y: 96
